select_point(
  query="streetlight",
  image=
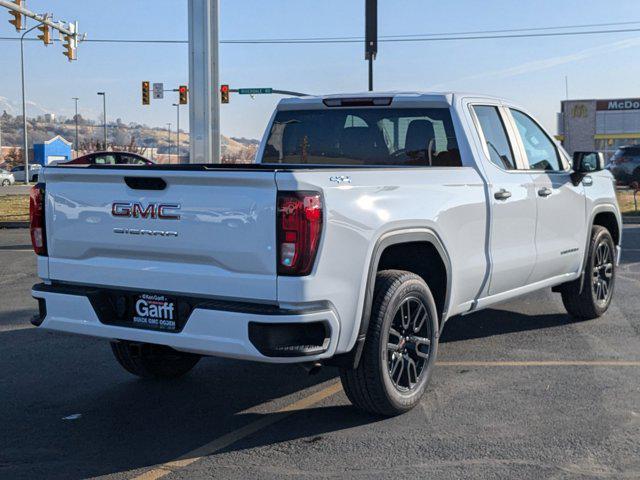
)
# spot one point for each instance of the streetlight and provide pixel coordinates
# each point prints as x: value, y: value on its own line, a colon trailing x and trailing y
x: 104, y: 116
x: 169, y: 133
x: 76, y: 119
x: 177, y: 105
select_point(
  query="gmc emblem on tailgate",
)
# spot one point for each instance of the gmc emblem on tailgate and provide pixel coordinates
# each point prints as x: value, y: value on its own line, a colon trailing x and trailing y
x: 162, y: 211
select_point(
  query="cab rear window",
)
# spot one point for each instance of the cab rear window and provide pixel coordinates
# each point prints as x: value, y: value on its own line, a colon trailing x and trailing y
x: 363, y: 136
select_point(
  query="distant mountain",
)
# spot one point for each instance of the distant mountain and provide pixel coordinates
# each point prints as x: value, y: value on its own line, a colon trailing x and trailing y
x: 246, y: 141
x: 132, y: 135
x: 15, y: 108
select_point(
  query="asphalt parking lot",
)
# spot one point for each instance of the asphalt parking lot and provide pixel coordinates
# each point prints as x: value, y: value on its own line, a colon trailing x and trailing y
x: 521, y: 392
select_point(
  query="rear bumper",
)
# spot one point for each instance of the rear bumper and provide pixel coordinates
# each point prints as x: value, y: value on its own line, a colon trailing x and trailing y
x: 210, y: 330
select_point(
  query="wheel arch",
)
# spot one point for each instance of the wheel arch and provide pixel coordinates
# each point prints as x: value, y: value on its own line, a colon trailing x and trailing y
x: 389, y: 240
x: 605, y: 215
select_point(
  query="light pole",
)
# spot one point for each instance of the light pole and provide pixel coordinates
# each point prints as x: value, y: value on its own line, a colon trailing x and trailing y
x: 76, y: 119
x: 104, y: 116
x: 177, y: 105
x: 24, y: 109
x: 169, y: 136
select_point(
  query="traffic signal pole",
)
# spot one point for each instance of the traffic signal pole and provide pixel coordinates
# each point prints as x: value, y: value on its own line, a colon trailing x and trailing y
x: 204, y: 110
x: 45, y: 23
x: 25, y: 138
x: 40, y: 19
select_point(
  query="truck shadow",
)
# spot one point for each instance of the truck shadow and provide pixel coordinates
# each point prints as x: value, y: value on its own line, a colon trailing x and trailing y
x: 490, y: 322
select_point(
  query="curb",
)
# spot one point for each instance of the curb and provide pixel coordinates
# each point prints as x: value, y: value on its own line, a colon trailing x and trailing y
x: 14, y: 225
x: 631, y: 219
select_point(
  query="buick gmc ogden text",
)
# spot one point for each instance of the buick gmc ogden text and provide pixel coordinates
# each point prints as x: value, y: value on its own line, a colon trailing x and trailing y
x: 366, y: 222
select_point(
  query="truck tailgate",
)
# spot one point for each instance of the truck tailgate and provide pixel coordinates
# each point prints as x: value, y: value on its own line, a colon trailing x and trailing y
x: 222, y: 244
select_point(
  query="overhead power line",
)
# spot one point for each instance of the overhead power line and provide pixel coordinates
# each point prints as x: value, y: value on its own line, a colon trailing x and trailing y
x: 531, y: 32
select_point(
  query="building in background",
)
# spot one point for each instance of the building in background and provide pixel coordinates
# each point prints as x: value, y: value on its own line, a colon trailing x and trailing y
x: 599, y: 125
x: 55, y: 150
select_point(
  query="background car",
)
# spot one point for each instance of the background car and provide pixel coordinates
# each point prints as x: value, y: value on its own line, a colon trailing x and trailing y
x: 6, y: 178
x: 625, y: 165
x: 111, y: 158
x: 18, y: 172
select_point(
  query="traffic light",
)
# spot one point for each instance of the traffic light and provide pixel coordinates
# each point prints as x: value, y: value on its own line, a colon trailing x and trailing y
x: 17, y: 16
x: 145, y: 94
x: 224, y: 93
x: 70, y: 45
x: 184, y: 94
x: 46, y: 34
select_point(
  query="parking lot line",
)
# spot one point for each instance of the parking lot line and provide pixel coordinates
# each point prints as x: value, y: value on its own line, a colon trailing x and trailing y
x: 544, y: 363
x: 308, y: 401
x: 236, y: 435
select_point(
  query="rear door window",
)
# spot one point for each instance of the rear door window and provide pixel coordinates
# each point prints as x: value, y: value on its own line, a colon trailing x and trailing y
x: 363, y: 136
x: 495, y: 136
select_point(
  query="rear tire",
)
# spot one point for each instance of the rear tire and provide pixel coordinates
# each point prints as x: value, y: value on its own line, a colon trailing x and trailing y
x: 599, y: 279
x: 6, y: 183
x: 400, y: 349
x: 147, y: 360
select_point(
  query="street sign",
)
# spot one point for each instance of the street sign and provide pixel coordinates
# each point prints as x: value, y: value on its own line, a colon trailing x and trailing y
x: 158, y: 91
x: 255, y: 91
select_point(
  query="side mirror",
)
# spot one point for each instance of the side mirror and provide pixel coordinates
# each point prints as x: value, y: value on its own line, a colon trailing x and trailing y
x: 587, y: 162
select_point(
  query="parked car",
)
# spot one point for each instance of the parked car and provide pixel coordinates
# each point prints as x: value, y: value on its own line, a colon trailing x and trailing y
x: 34, y: 171
x: 110, y: 158
x: 368, y: 221
x: 6, y: 178
x: 625, y: 165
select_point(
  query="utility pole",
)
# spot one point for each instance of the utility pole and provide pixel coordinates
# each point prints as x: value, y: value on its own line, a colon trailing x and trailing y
x: 204, y: 110
x: 177, y: 105
x: 76, y: 120
x: 104, y: 116
x: 371, y: 36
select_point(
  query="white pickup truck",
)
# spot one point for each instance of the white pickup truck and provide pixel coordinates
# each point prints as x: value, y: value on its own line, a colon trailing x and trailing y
x: 365, y: 223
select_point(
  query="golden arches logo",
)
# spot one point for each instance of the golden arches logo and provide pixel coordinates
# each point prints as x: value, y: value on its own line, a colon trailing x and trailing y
x: 579, y: 111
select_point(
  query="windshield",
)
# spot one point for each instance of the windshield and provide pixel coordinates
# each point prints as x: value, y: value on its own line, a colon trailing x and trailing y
x: 363, y: 136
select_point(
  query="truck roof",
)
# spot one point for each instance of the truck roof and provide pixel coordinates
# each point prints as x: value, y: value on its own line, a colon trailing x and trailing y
x: 403, y: 97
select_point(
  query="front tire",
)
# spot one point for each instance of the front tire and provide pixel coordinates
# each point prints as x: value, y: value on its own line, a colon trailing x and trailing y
x: 599, y: 279
x: 400, y: 349
x: 153, y: 361
x: 6, y: 183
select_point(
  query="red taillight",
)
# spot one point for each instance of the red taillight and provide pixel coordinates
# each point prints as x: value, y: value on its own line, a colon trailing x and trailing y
x: 299, y: 229
x: 36, y: 220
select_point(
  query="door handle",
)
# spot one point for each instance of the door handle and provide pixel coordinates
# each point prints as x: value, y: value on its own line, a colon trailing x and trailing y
x: 502, y: 194
x: 545, y: 192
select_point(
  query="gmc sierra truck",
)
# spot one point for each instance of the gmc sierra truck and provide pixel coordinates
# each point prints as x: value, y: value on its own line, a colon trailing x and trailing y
x: 365, y: 222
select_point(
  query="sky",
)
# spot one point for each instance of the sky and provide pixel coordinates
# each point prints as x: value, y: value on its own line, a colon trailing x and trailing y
x: 530, y: 71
